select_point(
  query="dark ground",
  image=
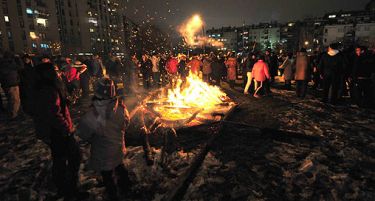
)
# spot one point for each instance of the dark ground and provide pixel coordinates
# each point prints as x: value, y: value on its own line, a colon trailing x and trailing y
x: 273, y: 148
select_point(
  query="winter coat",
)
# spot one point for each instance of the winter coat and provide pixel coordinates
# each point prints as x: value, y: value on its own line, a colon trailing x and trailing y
x: 71, y: 73
x: 195, y: 66
x: 27, y: 88
x: 104, y: 128
x: 206, y: 69
x: 231, y: 64
x: 51, y: 114
x: 172, y: 66
x: 146, y: 67
x: 96, y: 68
x: 260, y: 71
x: 288, y: 69
x: 272, y: 62
x: 332, y: 64
x: 182, y: 68
x: 9, y: 74
x: 363, y: 67
x: 155, y: 64
x: 302, y: 67
x: 217, y: 69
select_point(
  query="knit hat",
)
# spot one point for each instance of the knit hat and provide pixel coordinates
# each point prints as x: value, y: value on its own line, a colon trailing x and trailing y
x: 105, y: 89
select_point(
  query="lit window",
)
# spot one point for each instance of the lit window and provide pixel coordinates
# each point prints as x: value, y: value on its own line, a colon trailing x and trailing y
x: 34, y: 45
x: 332, y: 16
x: 6, y: 18
x: 41, y: 21
x: 91, y: 30
x: 29, y: 11
x: 33, y: 35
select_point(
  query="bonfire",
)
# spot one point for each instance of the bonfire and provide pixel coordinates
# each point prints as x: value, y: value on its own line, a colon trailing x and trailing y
x: 190, y: 102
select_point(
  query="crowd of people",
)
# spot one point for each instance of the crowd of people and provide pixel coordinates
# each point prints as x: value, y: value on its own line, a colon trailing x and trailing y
x: 333, y: 74
x: 45, y: 88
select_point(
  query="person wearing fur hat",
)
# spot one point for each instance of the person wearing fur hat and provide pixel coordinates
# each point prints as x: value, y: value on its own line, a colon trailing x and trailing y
x: 103, y: 126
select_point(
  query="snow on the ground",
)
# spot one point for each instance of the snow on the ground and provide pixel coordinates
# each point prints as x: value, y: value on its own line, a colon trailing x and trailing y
x: 243, y: 164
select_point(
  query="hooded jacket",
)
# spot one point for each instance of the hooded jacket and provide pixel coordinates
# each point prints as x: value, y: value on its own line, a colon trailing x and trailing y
x: 104, y: 127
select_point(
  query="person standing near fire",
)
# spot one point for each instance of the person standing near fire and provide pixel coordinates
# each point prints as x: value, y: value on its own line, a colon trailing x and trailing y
x: 172, y: 68
x: 103, y: 126
x: 261, y: 74
x: 155, y: 59
x: 146, y: 70
x: 195, y: 65
x: 231, y: 65
x: 54, y: 126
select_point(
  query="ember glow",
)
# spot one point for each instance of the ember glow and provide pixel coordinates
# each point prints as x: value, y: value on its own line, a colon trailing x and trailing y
x: 191, y: 29
x: 195, y: 93
x: 190, y: 100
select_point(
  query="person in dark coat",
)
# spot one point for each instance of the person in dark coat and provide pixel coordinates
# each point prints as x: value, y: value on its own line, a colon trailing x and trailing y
x: 288, y: 68
x: 217, y: 69
x: 332, y: 67
x: 103, y: 126
x: 146, y: 70
x: 182, y: 67
x: 27, y: 85
x: 361, y: 75
x: 303, y: 73
x: 54, y: 126
x: 10, y: 80
x: 272, y: 61
x: 96, y: 69
x: 85, y: 77
x: 163, y: 70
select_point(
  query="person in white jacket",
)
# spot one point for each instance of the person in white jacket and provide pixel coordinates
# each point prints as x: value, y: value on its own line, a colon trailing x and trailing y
x: 103, y: 126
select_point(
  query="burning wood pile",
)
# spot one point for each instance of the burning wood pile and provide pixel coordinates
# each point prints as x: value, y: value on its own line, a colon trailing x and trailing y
x: 187, y: 103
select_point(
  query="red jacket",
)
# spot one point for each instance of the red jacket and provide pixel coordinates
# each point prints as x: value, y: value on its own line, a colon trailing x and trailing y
x: 231, y: 64
x: 195, y: 66
x: 260, y: 71
x: 71, y: 74
x: 52, y: 115
x: 172, y: 65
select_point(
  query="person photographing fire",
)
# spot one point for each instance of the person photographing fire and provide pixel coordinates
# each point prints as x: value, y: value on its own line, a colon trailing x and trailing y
x: 103, y: 126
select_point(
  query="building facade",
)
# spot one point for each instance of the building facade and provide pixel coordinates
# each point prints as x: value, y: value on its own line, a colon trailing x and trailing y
x: 227, y: 35
x: 28, y: 26
x: 62, y: 26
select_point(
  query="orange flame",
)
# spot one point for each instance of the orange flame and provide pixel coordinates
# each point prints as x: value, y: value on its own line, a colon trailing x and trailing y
x: 194, y: 95
x: 190, y: 30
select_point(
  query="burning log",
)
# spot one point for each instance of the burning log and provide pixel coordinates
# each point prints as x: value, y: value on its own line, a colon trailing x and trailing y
x: 185, y: 105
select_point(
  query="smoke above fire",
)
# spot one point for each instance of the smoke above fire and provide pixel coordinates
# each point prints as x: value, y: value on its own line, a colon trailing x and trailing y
x: 192, y: 30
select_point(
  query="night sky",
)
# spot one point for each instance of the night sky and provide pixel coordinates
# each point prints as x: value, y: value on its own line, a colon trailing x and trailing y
x: 217, y: 13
